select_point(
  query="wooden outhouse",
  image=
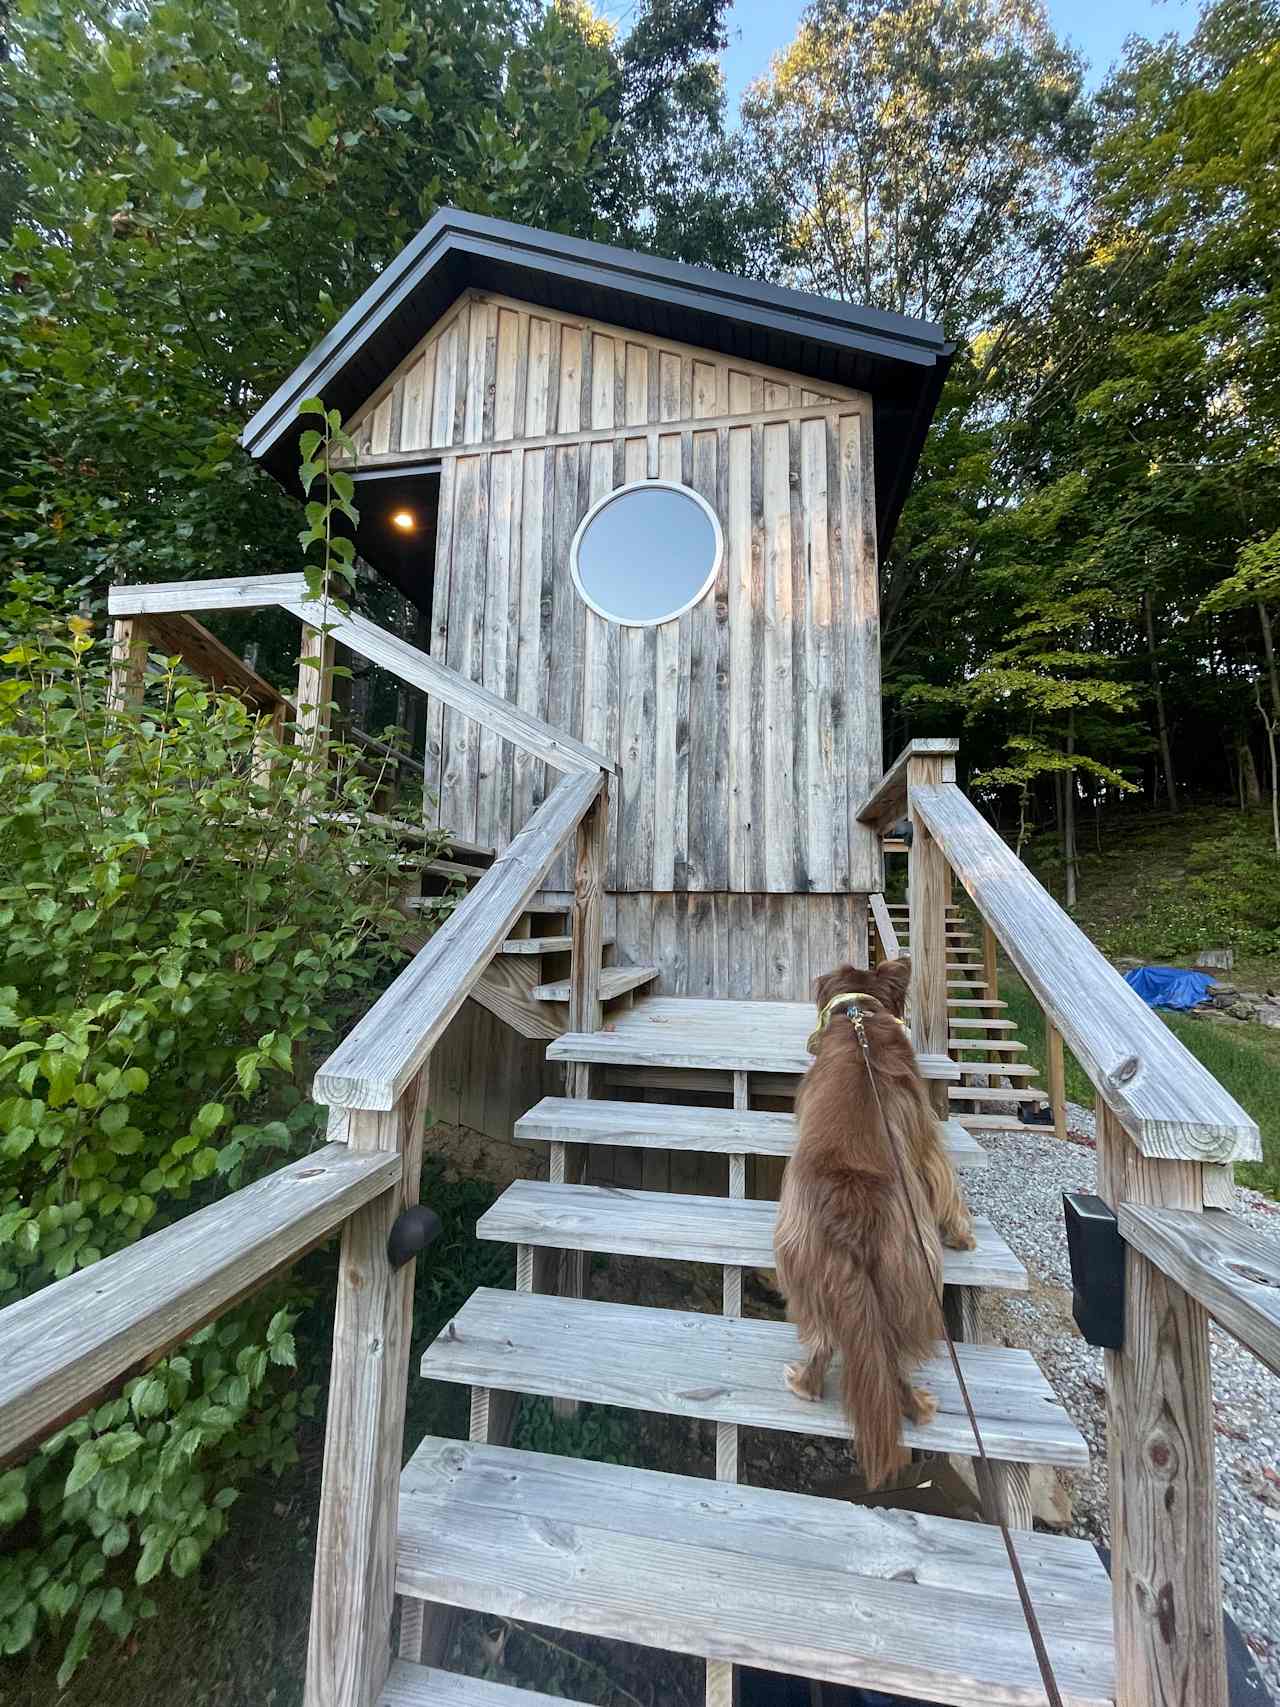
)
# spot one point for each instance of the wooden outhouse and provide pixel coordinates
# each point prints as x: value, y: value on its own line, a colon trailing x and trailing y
x: 645, y: 502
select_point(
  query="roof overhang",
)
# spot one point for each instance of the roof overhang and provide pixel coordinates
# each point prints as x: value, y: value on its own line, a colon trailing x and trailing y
x: 901, y: 362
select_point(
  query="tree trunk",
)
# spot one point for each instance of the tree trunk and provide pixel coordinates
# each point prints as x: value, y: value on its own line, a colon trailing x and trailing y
x: 1069, y: 813
x: 1162, y: 724
x: 1272, y: 727
x: 1264, y: 617
x: 1250, y: 785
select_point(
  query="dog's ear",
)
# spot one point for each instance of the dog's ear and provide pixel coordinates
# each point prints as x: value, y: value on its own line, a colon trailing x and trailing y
x: 836, y: 983
x: 893, y: 979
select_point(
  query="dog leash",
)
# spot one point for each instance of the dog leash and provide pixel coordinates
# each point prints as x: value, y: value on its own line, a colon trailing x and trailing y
x: 988, y: 1493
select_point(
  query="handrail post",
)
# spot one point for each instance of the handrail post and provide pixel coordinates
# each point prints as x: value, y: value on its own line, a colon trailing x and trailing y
x: 928, y: 885
x: 590, y: 874
x: 129, y: 642
x: 349, y: 1649
x: 1165, y: 1569
x: 1055, y: 1067
x: 315, y: 688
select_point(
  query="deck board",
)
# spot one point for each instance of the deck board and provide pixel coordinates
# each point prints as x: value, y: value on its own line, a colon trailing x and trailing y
x: 730, y: 1370
x: 689, y: 1228
x: 914, y: 1605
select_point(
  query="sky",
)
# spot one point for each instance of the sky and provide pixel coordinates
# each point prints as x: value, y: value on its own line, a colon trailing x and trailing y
x: 1098, y: 28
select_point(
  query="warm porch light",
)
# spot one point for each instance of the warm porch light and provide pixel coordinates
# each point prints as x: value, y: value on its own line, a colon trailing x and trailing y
x: 404, y: 520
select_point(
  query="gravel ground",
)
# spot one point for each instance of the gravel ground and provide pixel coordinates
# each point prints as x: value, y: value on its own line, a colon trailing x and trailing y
x: 1022, y: 1193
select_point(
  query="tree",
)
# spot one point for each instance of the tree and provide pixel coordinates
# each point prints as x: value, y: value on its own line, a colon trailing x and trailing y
x: 923, y: 151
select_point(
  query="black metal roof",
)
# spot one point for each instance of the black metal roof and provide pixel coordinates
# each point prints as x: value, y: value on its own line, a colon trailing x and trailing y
x: 901, y: 362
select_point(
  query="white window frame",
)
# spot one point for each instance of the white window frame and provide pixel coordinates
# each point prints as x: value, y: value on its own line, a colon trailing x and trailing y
x: 717, y: 556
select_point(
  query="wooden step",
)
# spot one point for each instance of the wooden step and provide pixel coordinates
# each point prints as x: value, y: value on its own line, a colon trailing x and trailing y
x: 919, y: 1606
x: 972, y: 1001
x: 978, y: 1122
x: 687, y: 1228
x: 1006, y: 1069
x: 724, y: 1370
x: 980, y: 1022
x: 987, y: 1093
x: 424, y: 1686
x: 735, y: 1036
x: 614, y: 981
x: 669, y: 1126
x: 541, y: 944
x: 993, y: 1045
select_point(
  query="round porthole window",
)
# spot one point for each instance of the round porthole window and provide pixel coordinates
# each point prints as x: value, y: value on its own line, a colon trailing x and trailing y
x: 647, y: 552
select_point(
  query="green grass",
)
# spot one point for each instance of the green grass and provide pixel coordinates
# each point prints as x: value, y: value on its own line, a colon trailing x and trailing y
x: 1243, y: 1058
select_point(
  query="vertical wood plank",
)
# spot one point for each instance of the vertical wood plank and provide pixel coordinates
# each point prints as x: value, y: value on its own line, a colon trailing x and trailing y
x: 926, y: 873
x: 128, y: 662
x: 494, y: 755
x: 315, y: 689
x: 862, y: 641
x: 349, y: 1645
x: 1057, y: 1077
x: 1165, y: 1569
x: 779, y: 699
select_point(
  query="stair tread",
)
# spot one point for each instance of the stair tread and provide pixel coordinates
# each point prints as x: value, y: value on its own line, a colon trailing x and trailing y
x: 791, y: 1582
x: 1002, y: 1123
x: 993, y: 1045
x: 670, y: 1126
x: 541, y: 944
x: 980, y: 1022
x: 689, y: 1228
x: 423, y: 1686
x: 722, y: 1369
x: 974, y: 1001
x: 995, y: 1093
x: 1010, y: 1069
x: 614, y: 981
x: 681, y: 1031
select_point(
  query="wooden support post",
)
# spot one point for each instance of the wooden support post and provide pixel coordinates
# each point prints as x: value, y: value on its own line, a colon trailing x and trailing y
x: 270, y: 736
x: 1165, y: 1570
x: 990, y: 973
x: 1012, y: 1483
x: 349, y: 1652
x: 315, y: 688
x: 129, y: 641
x: 1056, y: 1067
x: 586, y: 957
x: 927, y: 874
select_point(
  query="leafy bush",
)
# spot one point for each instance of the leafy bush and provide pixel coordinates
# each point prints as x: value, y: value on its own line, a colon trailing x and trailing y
x: 185, y: 905
x: 1229, y: 898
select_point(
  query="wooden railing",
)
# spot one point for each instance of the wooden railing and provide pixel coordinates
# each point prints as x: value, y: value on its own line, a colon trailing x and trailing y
x: 1167, y: 1136
x: 63, y: 1348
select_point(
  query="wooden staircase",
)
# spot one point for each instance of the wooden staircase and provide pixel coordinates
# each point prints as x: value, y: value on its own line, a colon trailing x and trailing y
x: 731, y: 1574
x: 993, y: 1086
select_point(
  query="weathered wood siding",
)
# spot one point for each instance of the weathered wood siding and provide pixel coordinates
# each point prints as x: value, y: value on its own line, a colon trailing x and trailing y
x: 748, y: 729
x: 494, y: 370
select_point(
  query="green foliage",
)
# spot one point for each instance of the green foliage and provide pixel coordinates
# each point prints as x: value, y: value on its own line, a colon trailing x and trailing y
x: 1228, y: 898
x: 185, y: 905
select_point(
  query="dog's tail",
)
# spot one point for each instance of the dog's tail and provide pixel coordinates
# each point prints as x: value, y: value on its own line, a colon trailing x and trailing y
x: 885, y: 1319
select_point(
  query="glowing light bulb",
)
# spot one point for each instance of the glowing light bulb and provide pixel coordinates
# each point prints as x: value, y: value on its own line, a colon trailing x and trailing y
x: 404, y: 520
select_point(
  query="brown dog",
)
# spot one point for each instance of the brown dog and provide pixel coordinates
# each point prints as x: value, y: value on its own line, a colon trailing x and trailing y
x: 849, y: 1260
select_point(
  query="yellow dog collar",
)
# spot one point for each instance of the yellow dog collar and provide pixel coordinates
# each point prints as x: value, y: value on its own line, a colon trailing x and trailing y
x: 875, y: 1005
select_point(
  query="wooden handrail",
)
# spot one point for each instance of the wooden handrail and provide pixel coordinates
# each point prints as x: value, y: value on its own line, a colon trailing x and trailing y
x: 1226, y: 1266
x: 1169, y: 1104
x: 884, y: 928
x: 63, y: 1346
x: 887, y: 801
x: 407, y: 662
x: 376, y: 1061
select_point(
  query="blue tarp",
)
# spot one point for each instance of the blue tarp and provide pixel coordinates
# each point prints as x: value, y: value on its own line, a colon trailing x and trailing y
x: 1169, y: 986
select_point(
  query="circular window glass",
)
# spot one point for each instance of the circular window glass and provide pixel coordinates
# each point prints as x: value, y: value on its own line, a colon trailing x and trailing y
x: 646, y: 553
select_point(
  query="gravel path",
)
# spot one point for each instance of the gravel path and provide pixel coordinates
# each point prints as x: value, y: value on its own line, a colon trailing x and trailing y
x: 1022, y: 1193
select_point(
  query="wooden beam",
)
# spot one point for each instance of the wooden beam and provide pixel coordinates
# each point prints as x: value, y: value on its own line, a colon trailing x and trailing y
x: 1165, y: 1571
x: 885, y: 932
x: 62, y: 1346
x: 422, y: 671
x: 353, y: 1595
x: 928, y: 886
x: 887, y: 801
x: 1170, y: 1105
x: 315, y: 688
x: 130, y: 640
x: 1057, y: 1074
x: 235, y: 592
x: 376, y: 1060
x: 205, y: 656
x: 1233, y: 1271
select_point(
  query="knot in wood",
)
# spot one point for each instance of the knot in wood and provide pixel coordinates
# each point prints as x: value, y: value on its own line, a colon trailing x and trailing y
x: 1127, y: 1070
